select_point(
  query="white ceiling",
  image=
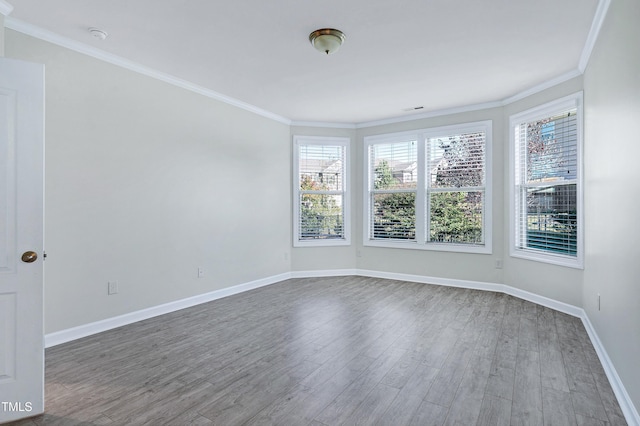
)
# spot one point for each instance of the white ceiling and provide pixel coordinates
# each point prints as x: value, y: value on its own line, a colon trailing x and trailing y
x: 438, y: 54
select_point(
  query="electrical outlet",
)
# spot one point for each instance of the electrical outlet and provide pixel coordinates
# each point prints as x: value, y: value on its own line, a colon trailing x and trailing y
x: 200, y: 272
x: 112, y: 287
x: 498, y: 263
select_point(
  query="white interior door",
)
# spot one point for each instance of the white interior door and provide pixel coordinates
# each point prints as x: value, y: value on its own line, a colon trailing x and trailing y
x: 21, y: 239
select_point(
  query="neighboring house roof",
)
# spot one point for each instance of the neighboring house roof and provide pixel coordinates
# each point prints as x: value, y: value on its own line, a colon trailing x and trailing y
x: 321, y: 166
x: 407, y: 166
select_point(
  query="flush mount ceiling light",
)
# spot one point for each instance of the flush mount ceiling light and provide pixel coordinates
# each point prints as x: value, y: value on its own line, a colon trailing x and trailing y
x: 327, y: 40
x: 97, y: 33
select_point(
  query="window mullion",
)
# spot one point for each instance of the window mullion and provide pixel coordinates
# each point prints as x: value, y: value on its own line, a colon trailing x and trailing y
x: 550, y: 183
x: 392, y: 191
x: 422, y: 222
x: 458, y: 189
x: 320, y: 192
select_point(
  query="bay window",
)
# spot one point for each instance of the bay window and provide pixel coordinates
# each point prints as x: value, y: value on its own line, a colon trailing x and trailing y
x: 430, y: 189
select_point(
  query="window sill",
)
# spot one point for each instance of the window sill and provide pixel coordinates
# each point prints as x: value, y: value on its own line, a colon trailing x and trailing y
x: 322, y: 243
x: 442, y: 247
x: 553, y: 259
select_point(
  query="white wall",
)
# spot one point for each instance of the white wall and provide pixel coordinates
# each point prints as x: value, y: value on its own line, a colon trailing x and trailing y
x: 145, y: 182
x: 612, y: 111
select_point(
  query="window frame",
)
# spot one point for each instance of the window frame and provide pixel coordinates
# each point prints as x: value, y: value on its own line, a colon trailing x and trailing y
x: 549, y: 109
x: 402, y: 137
x: 423, y: 190
x: 345, y: 143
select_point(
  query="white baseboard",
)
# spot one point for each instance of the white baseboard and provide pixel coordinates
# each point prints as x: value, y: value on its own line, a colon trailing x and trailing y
x: 64, y: 336
x: 628, y: 409
x: 478, y: 285
x: 324, y: 273
x: 626, y: 405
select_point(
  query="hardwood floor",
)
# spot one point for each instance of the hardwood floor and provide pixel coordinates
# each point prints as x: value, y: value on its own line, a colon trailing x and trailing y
x: 332, y: 351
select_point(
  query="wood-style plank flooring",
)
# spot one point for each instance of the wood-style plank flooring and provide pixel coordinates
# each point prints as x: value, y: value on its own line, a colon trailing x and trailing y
x: 334, y: 351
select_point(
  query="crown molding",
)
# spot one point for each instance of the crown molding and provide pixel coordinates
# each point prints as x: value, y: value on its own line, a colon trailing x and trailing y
x: 324, y: 124
x: 542, y: 86
x: 48, y: 36
x: 448, y: 111
x: 598, y: 20
x: 430, y: 114
x: 37, y: 32
x: 5, y: 8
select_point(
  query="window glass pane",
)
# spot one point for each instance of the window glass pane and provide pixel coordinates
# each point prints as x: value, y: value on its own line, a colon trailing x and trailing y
x: 394, y: 165
x: 321, y: 216
x: 394, y: 216
x: 456, y: 217
x: 546, y: 173
x: 551, y: 223
x: 321, y: 167
x: 456, y: 161
x: 551, y: 148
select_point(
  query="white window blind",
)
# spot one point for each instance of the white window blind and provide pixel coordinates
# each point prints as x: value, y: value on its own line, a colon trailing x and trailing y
x: 547, y: 187
x: 320, y: 166
x: 393, y: 180
x: 456, y: 192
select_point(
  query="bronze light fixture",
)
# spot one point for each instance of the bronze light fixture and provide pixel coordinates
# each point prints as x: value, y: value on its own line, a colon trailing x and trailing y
x: 327, y: 40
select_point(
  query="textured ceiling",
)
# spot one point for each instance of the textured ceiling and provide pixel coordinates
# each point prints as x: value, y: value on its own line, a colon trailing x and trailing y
x: 436, y: 54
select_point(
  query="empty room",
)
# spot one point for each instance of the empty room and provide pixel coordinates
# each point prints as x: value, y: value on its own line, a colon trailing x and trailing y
x: 285, y: 213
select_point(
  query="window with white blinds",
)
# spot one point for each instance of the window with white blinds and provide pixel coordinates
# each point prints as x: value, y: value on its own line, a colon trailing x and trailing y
x: 547, y: 187
x: 320, y: 191
x: 394, y: 178
x: 430, y: 189
x: 456, y: 187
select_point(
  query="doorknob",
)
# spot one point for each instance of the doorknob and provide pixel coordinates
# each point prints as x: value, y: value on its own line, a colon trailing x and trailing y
x: 29, y: 256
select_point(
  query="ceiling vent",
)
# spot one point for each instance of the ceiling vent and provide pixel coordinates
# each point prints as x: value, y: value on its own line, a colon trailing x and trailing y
x: 97, y: 33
